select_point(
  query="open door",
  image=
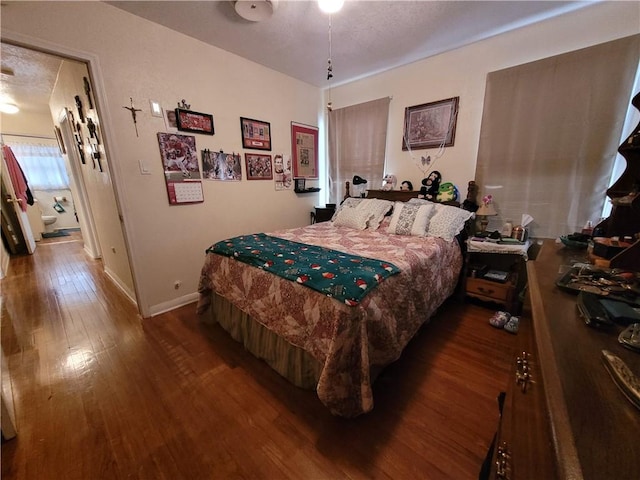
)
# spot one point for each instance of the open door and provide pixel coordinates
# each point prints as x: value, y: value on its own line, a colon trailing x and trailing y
x: 15, y: 223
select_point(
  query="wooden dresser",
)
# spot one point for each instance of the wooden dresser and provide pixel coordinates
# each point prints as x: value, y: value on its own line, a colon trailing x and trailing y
x: 571, y: 420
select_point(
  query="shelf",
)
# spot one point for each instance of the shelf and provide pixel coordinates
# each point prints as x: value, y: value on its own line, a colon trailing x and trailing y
x: 308, y: 190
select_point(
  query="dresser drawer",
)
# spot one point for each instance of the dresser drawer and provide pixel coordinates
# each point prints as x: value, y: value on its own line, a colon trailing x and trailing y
x: 496, y: 291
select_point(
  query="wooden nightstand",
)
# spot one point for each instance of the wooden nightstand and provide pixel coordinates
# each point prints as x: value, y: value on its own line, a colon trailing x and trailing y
x: 323, y: 214
x: 506, y: 258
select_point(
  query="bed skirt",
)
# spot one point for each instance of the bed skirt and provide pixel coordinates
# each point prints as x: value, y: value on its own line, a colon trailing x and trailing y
x: 293, y: 363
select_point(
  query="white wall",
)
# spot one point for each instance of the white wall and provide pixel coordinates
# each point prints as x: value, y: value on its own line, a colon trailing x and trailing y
x: 97, y: 184
x: 462, y: 72
x: 132, y: 57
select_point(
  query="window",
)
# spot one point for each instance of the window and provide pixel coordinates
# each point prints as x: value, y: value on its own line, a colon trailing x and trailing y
x: 357, y: 142
x: 42, y: 165
x: 549, y: 136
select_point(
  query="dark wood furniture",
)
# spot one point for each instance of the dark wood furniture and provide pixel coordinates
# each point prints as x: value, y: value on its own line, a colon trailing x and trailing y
x: 505, y: 293
x: 323, y: 214
x: 393, y: 195
x: 563, y: 416
x: 625, y: 200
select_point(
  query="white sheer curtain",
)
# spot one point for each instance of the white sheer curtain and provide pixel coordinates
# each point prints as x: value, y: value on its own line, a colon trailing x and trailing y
x: 549, y: 136
x: 357, y: 141
x: 42, y: 165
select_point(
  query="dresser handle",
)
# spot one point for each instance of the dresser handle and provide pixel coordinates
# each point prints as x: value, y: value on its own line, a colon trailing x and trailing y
x: 523, y: 372
x: 503, y: 462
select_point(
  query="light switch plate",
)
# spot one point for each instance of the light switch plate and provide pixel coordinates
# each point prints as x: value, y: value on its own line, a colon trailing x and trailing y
x: 156, y: 109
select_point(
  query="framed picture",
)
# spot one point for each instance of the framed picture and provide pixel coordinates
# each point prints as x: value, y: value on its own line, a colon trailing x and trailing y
x: 430, y: 125
x: 304, y: 150
x: 188, y: 121
x: 61, y: 146
x: 221, y: 166
x: 255, y: 134
x: 179, y: 156
x: 258, y: 166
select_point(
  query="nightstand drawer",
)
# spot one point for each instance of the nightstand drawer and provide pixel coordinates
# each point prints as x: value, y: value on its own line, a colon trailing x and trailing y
x: 494, y: 290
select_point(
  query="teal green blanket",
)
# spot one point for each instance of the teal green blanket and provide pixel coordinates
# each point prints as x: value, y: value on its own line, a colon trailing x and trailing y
x: 346, y: 277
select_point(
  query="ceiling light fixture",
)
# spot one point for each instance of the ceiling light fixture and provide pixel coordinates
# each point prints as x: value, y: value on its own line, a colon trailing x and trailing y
x: 10, y: 108
x: 330, y: 6
x: 256, y: 10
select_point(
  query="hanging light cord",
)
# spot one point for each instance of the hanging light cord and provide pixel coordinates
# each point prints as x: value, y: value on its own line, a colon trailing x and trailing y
x: 329, y: 66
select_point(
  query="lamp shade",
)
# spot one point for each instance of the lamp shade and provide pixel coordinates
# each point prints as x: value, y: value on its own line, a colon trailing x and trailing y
x: 486, y: 210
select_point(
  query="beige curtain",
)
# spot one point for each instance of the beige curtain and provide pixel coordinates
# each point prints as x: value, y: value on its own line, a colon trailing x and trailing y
x: 357, y: 140
x: 549, y: 136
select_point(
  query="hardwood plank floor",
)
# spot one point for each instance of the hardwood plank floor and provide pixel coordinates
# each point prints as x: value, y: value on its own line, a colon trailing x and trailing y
x: 101, y: 393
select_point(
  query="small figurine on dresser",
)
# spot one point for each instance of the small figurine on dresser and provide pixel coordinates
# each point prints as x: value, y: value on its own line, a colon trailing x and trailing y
x: 430, y: 186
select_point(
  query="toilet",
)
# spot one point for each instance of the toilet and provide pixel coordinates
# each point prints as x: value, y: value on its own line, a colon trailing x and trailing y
x: 48, y: 221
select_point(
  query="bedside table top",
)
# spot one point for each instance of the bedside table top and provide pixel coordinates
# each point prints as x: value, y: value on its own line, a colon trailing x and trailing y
x: 475, y: 246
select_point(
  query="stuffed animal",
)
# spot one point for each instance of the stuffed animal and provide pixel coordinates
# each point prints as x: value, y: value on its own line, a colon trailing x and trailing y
x: 406, y: 185
x: 430, y: 186
x: 389, y: 182
x: 447, y: 192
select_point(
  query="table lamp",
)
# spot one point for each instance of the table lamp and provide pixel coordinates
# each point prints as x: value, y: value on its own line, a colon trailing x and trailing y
x: 485, y: 210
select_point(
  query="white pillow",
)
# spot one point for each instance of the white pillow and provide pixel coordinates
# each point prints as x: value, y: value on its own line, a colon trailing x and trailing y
x: 410, y: 219
x: 349, y: 202
x: 352, y: 218
x: 376, y: 209
x: 420, y: 201
x: 448, y: 221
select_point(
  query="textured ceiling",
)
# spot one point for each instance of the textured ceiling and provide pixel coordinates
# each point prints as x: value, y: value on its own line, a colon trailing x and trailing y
x: 367, y: 36
x: 33, y: 78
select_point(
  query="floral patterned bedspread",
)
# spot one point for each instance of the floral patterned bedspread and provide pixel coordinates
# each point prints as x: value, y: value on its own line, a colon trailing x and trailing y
x: 346, y: 341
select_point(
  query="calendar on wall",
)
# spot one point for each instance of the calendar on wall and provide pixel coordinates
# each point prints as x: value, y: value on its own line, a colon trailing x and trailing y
x: 181, y: 169
x: 184, y: 191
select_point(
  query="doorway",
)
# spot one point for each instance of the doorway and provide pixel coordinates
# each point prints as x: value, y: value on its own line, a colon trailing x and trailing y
x: 58, y: 105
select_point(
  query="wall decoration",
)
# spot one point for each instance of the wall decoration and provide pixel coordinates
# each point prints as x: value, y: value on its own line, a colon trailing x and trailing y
x: 181, y: 169
x: 258, y: 166
x: 221, y: 166
x: 80, y: 146
x: 282, y: 172
x: 430, y: 125
x: 58, y: 133
x: 87, y: 91
x: 80, y: 109
x: 188, y: 121
x: 255, y: 134
x: 133, y: 111
x: 170, y: 122
x: 304, y: 149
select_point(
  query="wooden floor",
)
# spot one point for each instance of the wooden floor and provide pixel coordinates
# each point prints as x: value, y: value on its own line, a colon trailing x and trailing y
x: 100, y: 393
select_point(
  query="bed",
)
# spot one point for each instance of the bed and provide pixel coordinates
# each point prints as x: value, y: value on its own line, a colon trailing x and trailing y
x: 312, y: 336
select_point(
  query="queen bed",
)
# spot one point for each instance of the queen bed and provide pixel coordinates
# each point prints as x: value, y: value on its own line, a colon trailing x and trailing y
x: 323, y: 336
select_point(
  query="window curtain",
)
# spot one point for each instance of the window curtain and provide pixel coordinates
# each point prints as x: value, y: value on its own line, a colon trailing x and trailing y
x: 357, y: 141
x: 549, y: 136
x: 42, y: 165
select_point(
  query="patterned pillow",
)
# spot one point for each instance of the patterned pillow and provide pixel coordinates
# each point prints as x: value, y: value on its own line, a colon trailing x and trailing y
x: 376, y: 209
x: 349, y: 202
x: 410, y: 219
x: 447, y: 222
x: 352, y: 218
